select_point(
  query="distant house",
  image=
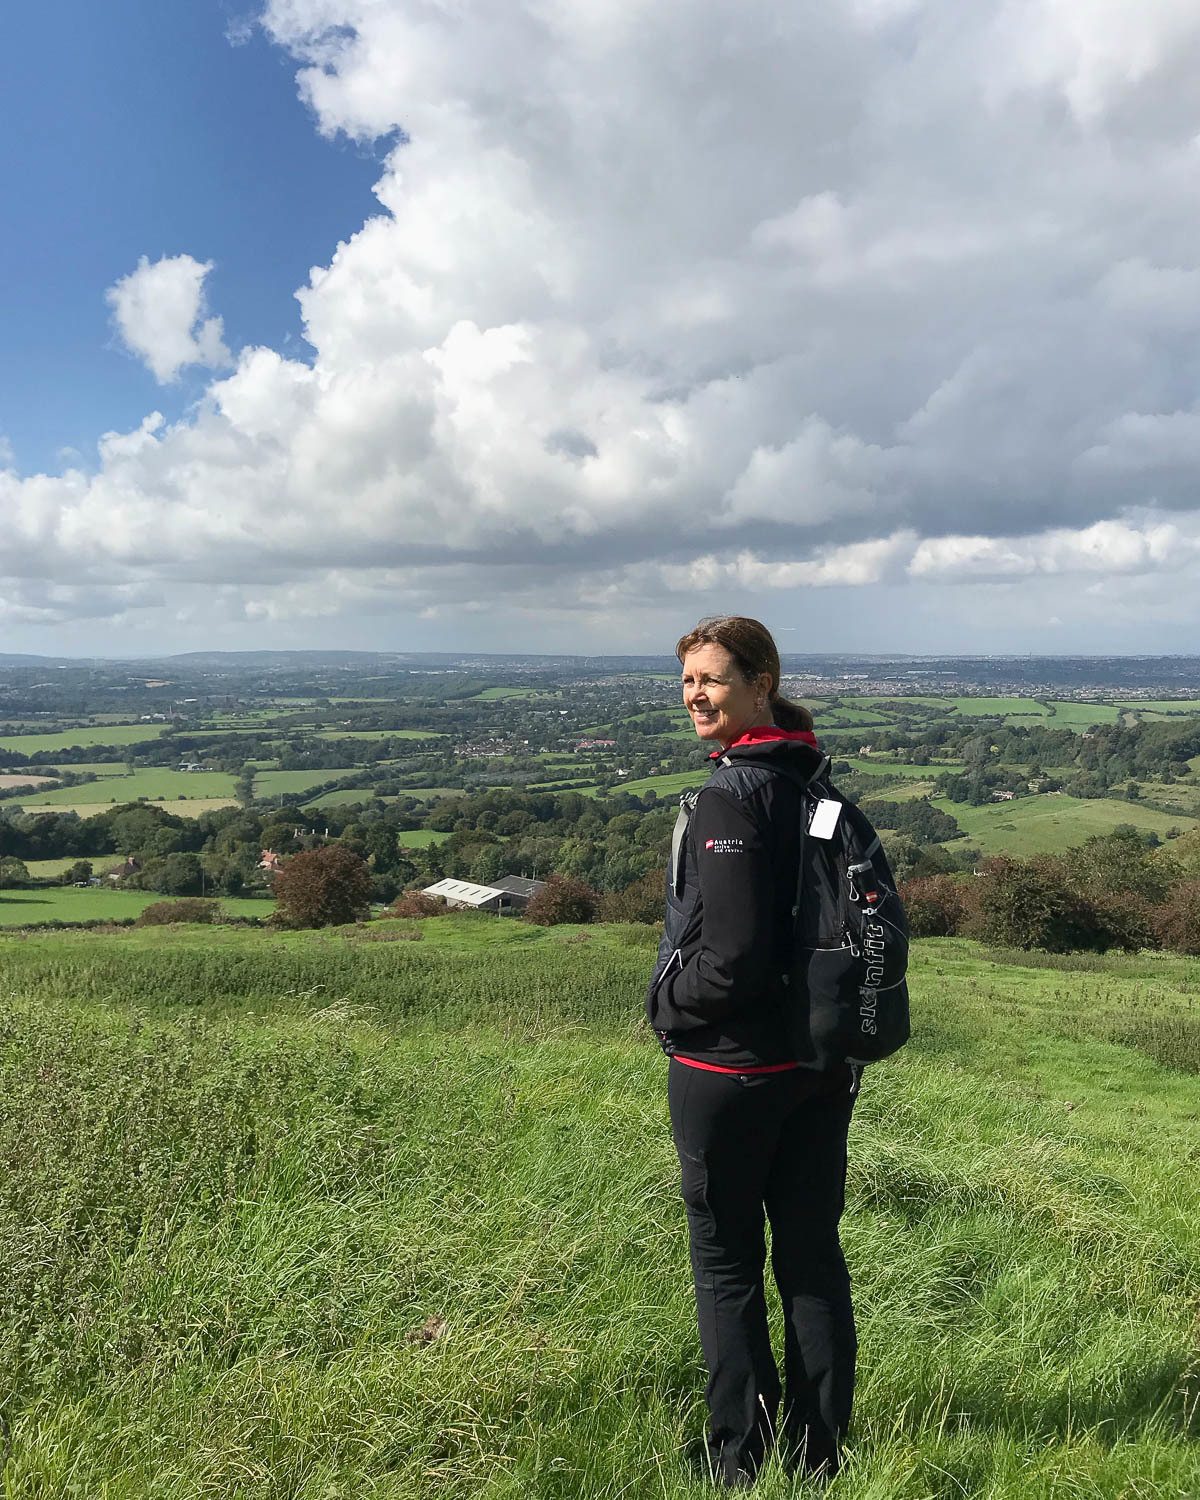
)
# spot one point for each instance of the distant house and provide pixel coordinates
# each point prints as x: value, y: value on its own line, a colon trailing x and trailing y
x: 271, y: 862
x: 865, y: 749
x: 509, y: 895
x: 596, y: 745
x: 1002, y: 796
x: 130, y: 865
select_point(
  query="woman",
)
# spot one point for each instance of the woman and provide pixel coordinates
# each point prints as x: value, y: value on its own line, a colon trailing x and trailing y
x: 755, y: 1131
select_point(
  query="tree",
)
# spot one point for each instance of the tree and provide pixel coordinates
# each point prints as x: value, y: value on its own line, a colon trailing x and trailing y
x: 179, y: 875
x: 1036, y: 904
x: 323, y: 888
x: 936, y: 905
x: 1177, y: 920
x: 643, y: 901
x: 562, y: 899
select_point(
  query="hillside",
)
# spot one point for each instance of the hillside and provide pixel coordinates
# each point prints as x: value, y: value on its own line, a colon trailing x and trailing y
x: 392, y: 1212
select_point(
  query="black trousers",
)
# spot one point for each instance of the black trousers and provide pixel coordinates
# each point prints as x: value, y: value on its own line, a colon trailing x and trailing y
x: 749, y: 1144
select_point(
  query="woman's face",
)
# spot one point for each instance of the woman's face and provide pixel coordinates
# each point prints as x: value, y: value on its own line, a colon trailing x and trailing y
x: 721, y: 702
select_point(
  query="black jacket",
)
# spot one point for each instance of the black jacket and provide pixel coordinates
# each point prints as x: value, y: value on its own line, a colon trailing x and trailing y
x: 717, y: 993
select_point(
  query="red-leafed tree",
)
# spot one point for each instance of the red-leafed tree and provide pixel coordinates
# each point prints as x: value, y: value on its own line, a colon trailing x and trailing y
x: 562, y: 899
x: 323, y: 888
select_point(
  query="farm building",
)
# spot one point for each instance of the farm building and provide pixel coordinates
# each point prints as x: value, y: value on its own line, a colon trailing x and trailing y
x: 519, y: 886
x: 508, y: 895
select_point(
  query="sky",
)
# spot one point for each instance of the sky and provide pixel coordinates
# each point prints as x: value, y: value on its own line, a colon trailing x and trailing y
x: 556, y: 324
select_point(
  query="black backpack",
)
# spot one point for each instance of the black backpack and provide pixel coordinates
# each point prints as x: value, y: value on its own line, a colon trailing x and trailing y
x: 850, y: 949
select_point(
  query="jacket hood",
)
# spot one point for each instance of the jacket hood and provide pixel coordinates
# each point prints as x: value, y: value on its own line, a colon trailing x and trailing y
x: 763, y: 736
x: 798, y: 750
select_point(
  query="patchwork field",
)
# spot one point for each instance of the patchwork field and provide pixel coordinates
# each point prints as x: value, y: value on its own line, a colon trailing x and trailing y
x: 95, y: 734
x: 190, y: 807
x: 1051, y: 823
x: 271, y: 783
x: 878, y: 765
x: 400, y: 1219
x: 378, y: 734
x: 155, y: 783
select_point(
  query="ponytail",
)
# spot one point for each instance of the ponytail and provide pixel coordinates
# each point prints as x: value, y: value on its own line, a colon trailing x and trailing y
x: 789, y: 715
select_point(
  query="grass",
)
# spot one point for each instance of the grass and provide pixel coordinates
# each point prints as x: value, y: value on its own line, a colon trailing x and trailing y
x: 1068, y: 715
x: 47, y: 869
x: 191, y: 808
x: 879, y: 765
x: 271, y: 783
x: 95, y: 734
x: 378, y: 734
x: 420, y: 838
x: 155, y: 783
x: 346, y: 797
x: 97, y: 904
x: 322, y: 1216
x: 493, y: 694
x: 96, y: 767
x: 1172, y: 706
x: 1051, y: 822
x: 666, y: 786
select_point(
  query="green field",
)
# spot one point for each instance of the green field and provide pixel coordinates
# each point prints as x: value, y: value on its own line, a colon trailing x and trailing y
x: 95, y: 903
x: 669, y: 785
x: 1173, y: 706
x: 96, y: 734
x: 878, y: 765
x: 493, y: 694
x: 379, y: 734
x: 420, y: 838
x: 346, y: 798
x: 1082, y: 715
x: 324, y: 1216
x: 1051, y: 822
x: 348, y: 795
x: 271, y: 783
x: 154, y: 783
x: 47, y: 869
x: 191, y: 808
x: 95, y: 768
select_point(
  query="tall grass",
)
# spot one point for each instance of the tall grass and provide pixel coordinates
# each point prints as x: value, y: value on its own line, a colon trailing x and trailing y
x: 310, y: 1217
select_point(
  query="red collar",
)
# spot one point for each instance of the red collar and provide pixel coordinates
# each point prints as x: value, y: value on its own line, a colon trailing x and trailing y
x: 764, y: 734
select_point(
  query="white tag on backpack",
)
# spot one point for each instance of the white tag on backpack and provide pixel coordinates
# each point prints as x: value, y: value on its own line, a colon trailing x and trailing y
x: 824, y: 819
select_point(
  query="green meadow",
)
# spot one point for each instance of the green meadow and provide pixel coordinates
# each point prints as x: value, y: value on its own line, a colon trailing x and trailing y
x: 392, y: 1212
x: 1052, y: 822
x: 420, y: 838
x: 271, y: 783
x: 378, y: 734
x: 879, y: 765
x: 155, y: 783
x: 93, y: 734
x: 669, y: 785
x: 96, y: 903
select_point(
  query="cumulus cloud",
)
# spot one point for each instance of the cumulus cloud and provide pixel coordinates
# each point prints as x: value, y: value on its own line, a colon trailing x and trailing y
x: 734, y: 302
x: 159, y: 313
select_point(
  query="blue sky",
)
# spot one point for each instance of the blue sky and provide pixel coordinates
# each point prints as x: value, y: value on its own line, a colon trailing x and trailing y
x: 558, y: 324
x: 131, y: 128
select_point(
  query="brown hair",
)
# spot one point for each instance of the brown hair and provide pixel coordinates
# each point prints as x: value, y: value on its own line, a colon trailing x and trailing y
x: 751, y: 645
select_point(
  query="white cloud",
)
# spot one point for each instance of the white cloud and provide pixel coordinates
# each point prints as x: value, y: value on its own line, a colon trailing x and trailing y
x: 730, y: 301
x: 1107, y: 547
x: 159, y: 312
